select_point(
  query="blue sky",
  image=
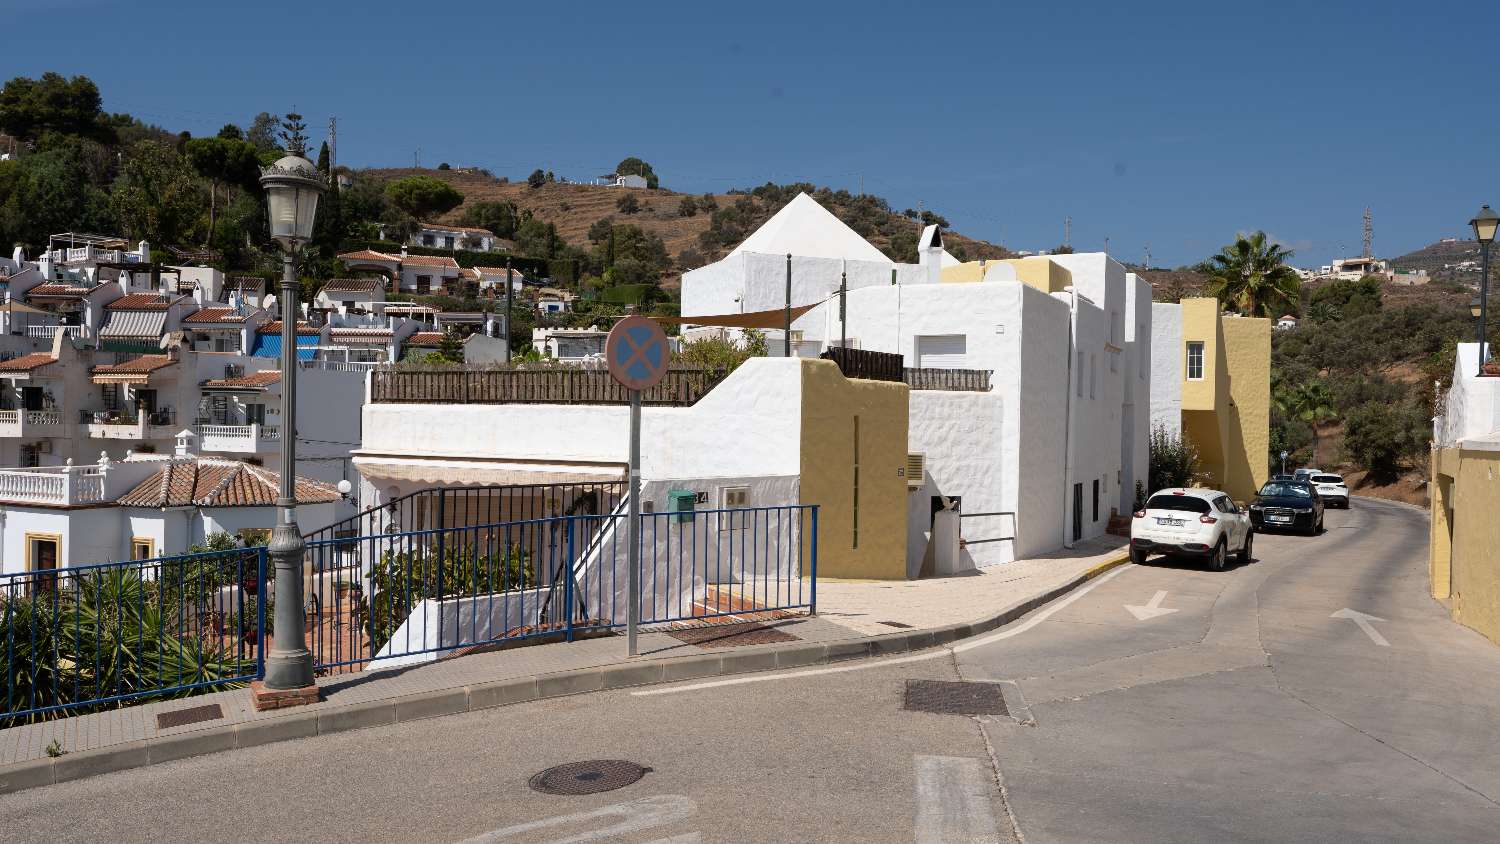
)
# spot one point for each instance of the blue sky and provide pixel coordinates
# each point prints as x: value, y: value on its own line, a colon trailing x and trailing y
x: 1171, y: 124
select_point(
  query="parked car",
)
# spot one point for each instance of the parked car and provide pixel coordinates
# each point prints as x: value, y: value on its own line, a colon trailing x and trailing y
x: 1332, y: 489
x: 1283, y: 477
x: 1288, y: 505
x: 1202, y: 523
x: 1306, y: 472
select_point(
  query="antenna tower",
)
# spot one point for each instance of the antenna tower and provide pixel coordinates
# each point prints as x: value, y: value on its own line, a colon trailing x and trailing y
x: 1369, y: 234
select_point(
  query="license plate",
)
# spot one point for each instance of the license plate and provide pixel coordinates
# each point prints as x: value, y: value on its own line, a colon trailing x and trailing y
x: 1171, y: 522
x: 1279, y: 518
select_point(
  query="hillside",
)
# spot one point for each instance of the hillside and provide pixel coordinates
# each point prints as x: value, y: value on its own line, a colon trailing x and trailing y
x: 1438, y: 259
x: 574, y: 208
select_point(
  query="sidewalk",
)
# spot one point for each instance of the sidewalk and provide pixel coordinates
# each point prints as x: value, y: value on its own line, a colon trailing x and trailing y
x: 853, y: 622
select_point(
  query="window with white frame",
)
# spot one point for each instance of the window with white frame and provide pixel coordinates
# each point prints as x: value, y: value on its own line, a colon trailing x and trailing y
x: 1195, y: 360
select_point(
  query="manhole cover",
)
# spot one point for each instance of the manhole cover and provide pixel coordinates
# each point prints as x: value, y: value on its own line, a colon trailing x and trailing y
x: 587, y: 777
x: 954, y: 698
x: 191, y: 715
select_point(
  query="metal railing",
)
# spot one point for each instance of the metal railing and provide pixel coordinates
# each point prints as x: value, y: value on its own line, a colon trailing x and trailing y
x: 974, y: 380
x: 98, y: 636
x: 129, y: 417
x: 546, y: 385
x: 871, y: 366
x: 390, y: 600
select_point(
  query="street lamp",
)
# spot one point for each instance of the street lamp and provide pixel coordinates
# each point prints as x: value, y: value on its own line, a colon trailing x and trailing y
x: 292, y: 190
x: 1484, y: 223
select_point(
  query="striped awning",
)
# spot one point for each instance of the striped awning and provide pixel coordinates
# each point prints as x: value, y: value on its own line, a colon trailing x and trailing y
x: 133, y: 325
x: 459, y: 471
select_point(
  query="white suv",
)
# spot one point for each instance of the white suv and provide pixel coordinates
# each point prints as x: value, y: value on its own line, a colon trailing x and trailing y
x: 1203, y: 523
x: 1332, y: 489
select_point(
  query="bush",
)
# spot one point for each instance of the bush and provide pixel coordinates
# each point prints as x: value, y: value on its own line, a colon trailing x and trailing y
x: 401, y: 580
x: 688, y: 207
x: 628, y: 204
x: 1379, y: 436
x: 1173, y: 460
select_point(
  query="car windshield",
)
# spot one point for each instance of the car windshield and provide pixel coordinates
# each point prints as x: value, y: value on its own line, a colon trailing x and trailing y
x: 1285, y: 491
x: 1183, y: 503
x: 1327, y: 479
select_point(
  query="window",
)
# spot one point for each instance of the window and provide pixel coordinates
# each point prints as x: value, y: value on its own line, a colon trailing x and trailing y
x: 1195, y: 360
x: 142, y: 548
x: 424, y: 283
x: 942, y: 351
x: 447, y: 243
x: 429, y: 240
x: 348, y: 304
x: 255, y: 414
x: 42, y: 551
x: 1096, y: 499
x: 111, y: 393
x: 1177, y: 503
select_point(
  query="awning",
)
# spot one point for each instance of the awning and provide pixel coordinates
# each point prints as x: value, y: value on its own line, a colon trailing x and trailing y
x: 752, y: 319
x: 451, y: 471
x: 134, y: 325
x: 269, y: 346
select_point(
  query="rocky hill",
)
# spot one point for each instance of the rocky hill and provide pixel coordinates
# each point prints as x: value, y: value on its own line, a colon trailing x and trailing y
x: 573, y: 208
x: 1441, y: 261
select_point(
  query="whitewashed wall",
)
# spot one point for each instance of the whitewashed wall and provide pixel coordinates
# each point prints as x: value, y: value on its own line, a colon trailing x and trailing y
x: 1472, y: 406
x: 962, y: 435
x: 1167, y: 353
x: 1135, y: 429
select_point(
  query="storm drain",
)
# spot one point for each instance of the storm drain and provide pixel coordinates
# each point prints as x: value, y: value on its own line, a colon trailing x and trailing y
x: 954, y: 698
x: 593, y: 777
x: 191, y: 715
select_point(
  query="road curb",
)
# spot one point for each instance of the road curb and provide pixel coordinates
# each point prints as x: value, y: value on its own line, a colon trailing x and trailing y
x: 290, y: 724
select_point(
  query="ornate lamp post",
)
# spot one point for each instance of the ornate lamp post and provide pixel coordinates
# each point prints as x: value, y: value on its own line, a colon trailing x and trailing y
x: 1484, y: 223
x: 292, y: 190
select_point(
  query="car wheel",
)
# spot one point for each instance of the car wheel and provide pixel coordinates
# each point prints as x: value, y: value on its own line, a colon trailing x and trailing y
x: 1218, y: 561
x: 1246, y: 552
x: 1138, y: 556
x: 1320, y: 526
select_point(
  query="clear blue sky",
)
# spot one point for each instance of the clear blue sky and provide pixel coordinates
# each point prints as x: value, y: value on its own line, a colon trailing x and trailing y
x: 1174, y: 124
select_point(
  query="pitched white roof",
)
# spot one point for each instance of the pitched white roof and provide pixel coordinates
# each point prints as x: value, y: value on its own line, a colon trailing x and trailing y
x: 807, y: 229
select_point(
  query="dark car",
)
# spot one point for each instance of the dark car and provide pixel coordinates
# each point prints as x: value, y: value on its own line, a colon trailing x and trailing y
x: 1288, y: 505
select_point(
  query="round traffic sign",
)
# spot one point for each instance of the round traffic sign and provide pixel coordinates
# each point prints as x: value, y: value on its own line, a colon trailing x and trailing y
x: 637, y: 352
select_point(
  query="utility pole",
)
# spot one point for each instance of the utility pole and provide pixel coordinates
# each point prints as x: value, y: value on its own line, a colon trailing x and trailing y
x: 333, y: 146
x: 1106, y: 244
x: 1148, y: 256
x: 1067, y: 231
x: 416, y: 158
x: 509, y: 292
x: 786, y: 342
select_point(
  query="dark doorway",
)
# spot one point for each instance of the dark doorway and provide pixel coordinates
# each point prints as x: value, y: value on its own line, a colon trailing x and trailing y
x: 1077, y: 511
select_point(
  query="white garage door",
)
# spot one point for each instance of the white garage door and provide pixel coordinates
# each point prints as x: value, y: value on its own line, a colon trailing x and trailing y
x: 942, y: 351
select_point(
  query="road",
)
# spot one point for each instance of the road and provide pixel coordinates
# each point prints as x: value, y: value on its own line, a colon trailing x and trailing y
x: 1315, y: 694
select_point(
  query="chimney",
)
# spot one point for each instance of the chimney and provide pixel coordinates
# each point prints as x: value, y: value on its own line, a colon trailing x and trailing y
x: 184, y: 440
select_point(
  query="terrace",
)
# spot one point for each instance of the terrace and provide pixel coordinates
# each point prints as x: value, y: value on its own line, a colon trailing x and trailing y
x: 681, y: 387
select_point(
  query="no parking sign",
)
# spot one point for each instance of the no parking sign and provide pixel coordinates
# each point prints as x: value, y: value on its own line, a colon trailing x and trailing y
x: 637, y: 352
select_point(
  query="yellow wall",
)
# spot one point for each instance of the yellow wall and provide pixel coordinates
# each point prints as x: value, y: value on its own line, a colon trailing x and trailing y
x: 1037, y: 271
x: 1470, y: 480
x: 965, y: 273
x: 830, y: 405
x: 1227, y: 413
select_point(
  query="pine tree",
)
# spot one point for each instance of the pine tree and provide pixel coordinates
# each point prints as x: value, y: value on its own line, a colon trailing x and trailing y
x: 294, y: 134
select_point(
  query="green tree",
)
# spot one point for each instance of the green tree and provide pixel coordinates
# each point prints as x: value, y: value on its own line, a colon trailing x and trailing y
x: 628, y: 204
x: 1379, y: 436
x: 30, y: 108
x: 423, y: 197
x: 498, y: 216
x: 450, y: 348
x: 1251, y: 276
x: 157, y: 196
x: 633, y: 166
x: 1347, y: 298
x: 1309, y: 402
x: 222, y: 161
x: 1172, y: 460
x: 688, y: 207
x: 49, y: 192
x: 325, y: 159
x: 294, y: 134
x: 537, y: 178
x: 262, y: 132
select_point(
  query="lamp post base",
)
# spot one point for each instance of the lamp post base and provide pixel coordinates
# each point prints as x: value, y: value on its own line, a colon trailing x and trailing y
x: 263, y: 698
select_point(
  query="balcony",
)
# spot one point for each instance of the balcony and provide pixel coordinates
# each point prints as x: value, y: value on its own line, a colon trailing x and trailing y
x: 547, y: 384
x: 342, y: 365
x: 31, y: 423
x: 238, y: 439
x: 62, y: 486
x: 129, y: 425
x: 47, y: 332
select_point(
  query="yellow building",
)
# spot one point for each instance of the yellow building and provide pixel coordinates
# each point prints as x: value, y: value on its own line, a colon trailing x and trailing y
x: 1223, y: 376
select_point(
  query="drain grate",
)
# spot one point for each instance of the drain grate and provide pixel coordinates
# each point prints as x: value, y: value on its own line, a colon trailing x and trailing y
x: 191, y: 715
x: 587, y: 777
x: 903, y: 625
x: 954, y: 698
x: 731, y: 635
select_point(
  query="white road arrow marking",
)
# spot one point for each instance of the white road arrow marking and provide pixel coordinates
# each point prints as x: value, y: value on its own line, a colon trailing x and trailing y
x: 635, y: 816
x: 1153, y: 607
x: 1363, y: 620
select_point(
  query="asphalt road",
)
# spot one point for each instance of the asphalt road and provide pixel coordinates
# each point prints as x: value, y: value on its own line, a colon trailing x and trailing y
x: 1233, y: 707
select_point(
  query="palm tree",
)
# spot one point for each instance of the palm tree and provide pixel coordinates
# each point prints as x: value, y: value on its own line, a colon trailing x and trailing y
x: 1251, y: 276
x: 1311, y: 402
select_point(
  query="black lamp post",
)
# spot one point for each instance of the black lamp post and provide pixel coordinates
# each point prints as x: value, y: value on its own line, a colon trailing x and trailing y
x: 292, y: 190
x: 1484, y: 223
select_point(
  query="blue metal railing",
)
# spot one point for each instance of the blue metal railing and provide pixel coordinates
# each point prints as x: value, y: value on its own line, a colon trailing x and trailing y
x: 386, y: 600
x: 100, y: 635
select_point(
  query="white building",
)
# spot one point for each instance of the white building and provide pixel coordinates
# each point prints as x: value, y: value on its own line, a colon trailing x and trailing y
x: 418, y: 274
x: 141, y: 507
x: 443, y: 236
x: 570, y: 344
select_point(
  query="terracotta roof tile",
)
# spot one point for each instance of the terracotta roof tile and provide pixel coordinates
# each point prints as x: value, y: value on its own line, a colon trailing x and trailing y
x: 356, y: 285
x: 500, y: 271
x: 51, y: 289
x: 425, y: 338
x: 261, y: 379
x: 219, y: 483
x: 360, y: 332
x: 215, y: 315
x: 443, y: 227
x: 142, y: 302
x: 274, y: 327
x: 26, y: 363
x: 134, y: 366
x: 429, y: 261
x: 369, y: 255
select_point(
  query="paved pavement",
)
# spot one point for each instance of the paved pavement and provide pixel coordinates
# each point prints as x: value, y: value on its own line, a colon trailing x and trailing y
x: 1253, y: 709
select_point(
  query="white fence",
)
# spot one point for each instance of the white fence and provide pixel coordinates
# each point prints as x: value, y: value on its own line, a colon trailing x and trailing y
x: 62, y: 485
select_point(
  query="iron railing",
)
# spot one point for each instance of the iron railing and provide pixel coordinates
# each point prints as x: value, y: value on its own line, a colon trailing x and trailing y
x: 385, y: 601
x: 872, y: 366
x: 547, y: 385
x: 974, y: 380
x: 98, y: 636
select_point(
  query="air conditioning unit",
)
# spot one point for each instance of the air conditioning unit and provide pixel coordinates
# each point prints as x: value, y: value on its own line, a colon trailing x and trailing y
x: 916, y: 471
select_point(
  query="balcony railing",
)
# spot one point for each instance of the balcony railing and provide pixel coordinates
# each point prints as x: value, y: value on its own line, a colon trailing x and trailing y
x: 128, y: 418
x: 871, y: 366
x: 342, y: 365
x: 241, y: 439
x: 59, y: 485
x: 552, y: 385
x: 973, y: 380
x: 47, y: 332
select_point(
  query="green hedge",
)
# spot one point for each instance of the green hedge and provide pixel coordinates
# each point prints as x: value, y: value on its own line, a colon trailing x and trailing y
x: 626, y: 294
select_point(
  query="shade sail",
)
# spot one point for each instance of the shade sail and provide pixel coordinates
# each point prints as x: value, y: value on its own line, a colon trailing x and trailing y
x: 752, y: 319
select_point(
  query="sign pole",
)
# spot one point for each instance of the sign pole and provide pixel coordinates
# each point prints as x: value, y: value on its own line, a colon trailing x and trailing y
x: 633, y: 534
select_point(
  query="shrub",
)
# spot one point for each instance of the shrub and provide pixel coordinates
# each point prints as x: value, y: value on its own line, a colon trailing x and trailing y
x: 401, y: 580
x: 628, y: 204
x: 1173, y: 460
